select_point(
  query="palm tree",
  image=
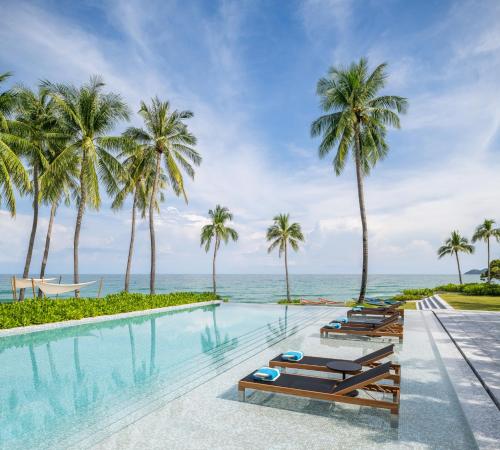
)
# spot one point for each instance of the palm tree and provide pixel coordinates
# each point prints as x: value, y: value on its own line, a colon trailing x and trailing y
x: 12, y: 172
x: 168, y: 138
x: 218, y: 231
x: 452, y: 246
x: 89, y: 115
x: 356, y: 122
x: 58, y: 185
x: 484, y: 232
x: 36, y: 124
x: 140, y: 164
x: 282, y: 233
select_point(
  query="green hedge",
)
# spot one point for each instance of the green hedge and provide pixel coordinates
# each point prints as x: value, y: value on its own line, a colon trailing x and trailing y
x: 471, y: 288
x: 33, y: 312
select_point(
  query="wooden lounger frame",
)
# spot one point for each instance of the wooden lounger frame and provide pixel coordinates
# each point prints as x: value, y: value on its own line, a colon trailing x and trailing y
x: 374, y: 362
x: 388, y: 329
x: 339, y: 396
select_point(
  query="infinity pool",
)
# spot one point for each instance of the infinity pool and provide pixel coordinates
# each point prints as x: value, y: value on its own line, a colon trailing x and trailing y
x: 56, y: 385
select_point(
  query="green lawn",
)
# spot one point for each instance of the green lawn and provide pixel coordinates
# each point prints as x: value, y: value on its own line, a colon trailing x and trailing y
x: 481, y: 303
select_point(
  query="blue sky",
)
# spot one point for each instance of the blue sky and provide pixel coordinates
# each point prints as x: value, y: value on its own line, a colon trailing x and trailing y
x: 248, y: 70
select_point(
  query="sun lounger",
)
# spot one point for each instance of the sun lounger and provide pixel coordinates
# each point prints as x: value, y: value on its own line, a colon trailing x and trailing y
x: 388, y: 327
x: 380, y: 311
x: 318, y: 364
x: 333, y: 390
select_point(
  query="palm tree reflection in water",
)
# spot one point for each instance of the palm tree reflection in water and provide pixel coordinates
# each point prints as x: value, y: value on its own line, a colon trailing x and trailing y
x: 281, y: 330
x: 212, y: 340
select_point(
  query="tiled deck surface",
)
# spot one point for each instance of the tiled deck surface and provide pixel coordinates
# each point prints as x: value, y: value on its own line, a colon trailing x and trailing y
x: 477, y: 333
x: 211, y: 417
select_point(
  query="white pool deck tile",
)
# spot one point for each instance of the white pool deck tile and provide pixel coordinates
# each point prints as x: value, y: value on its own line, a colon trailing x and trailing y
x: 211, y: 417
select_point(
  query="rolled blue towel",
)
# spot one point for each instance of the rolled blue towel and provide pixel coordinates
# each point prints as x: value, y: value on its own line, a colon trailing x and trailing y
x: 341, y: 320
x: 335, y: 325
x: 357, y: 308
x: 266, y: 374
x: 292, y: 356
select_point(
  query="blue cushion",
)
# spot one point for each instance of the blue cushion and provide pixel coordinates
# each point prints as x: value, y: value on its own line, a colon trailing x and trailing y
x: 266, y: 374
x: 292, y: 356
x: 334, y: 325
x: 357, y: 308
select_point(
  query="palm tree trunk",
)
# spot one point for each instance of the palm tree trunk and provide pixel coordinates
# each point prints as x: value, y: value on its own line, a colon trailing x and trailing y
x: 78, y: 225
x: 286, y: 274
x: 33, y: 228
x: 152, y: 226
x: 214, y: 284
x: 362, y: 212
x: 459, y: 270
x: 131, y: 246
x: 53, y: 209
x: 489, y: 273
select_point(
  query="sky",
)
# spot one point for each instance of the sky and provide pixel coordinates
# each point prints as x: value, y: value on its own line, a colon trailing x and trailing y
x: 248, y: 71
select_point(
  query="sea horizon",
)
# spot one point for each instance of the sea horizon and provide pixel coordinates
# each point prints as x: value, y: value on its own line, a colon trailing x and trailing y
x: 254, y: 288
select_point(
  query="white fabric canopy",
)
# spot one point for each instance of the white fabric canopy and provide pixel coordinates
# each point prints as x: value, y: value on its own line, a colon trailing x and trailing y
x: 28, y: 282
x: 54, y: 288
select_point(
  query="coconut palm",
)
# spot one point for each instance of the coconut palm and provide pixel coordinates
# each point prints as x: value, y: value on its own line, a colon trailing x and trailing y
x: 356, y: 121
x: 58, y: 186
x: 89, y: 115
x: 168, y: 138
x: 454, y: 245
x: 281, y: 234
x: 219, y: 232
x: 12, y: 172
x: 37, y: 126
x: 485, y: 232
x: 139, y: 163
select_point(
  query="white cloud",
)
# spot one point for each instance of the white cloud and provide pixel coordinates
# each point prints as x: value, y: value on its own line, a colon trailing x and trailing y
x: 412, y: 207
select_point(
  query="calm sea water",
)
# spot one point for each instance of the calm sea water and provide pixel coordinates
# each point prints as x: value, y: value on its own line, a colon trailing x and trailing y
x: 258, y: 288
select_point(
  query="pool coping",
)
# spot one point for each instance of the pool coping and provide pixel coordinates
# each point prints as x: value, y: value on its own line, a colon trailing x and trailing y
x: 87, y: 320
x: 480, y: 412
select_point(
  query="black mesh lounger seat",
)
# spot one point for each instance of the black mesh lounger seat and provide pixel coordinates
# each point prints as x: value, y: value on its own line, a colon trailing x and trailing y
x: 332, y: 390
x: 369, y: 321
x: 318, y: 363
x: 380, y: 311
x: 387, y: 327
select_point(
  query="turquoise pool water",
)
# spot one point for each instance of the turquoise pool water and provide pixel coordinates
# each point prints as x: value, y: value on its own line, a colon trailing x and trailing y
x: 56, y: 385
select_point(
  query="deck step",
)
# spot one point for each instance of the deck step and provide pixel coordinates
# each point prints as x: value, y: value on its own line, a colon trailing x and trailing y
x: 435, y: 302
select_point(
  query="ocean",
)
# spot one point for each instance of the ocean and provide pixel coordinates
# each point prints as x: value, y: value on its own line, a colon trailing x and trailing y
x: 256, y: 288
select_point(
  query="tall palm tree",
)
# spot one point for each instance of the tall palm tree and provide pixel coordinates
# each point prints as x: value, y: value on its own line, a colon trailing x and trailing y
x: 12, y: 172
x: 356, y: 121
x: 220, y: 232
x: 37, y: 125
x: 89, y: 115
x: 58, y: 185
x: 281, y: 234
x: 168, y: 138
x: 140, y: 165
x: 485, y: 232
x: 452, y: 246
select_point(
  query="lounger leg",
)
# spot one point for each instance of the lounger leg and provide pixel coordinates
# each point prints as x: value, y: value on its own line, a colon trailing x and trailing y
x: 394, y: 420
x: 241, y: 395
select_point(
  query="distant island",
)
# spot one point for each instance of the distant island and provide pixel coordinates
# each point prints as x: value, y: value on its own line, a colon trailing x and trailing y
x: 475, y: 272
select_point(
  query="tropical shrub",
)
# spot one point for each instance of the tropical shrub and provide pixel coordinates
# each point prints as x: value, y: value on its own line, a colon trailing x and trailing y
x: 450, y: 287
x: 33, y: 312
x: 482, y: 289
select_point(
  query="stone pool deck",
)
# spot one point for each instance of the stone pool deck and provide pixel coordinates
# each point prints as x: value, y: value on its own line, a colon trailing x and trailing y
x: 434, y: 376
